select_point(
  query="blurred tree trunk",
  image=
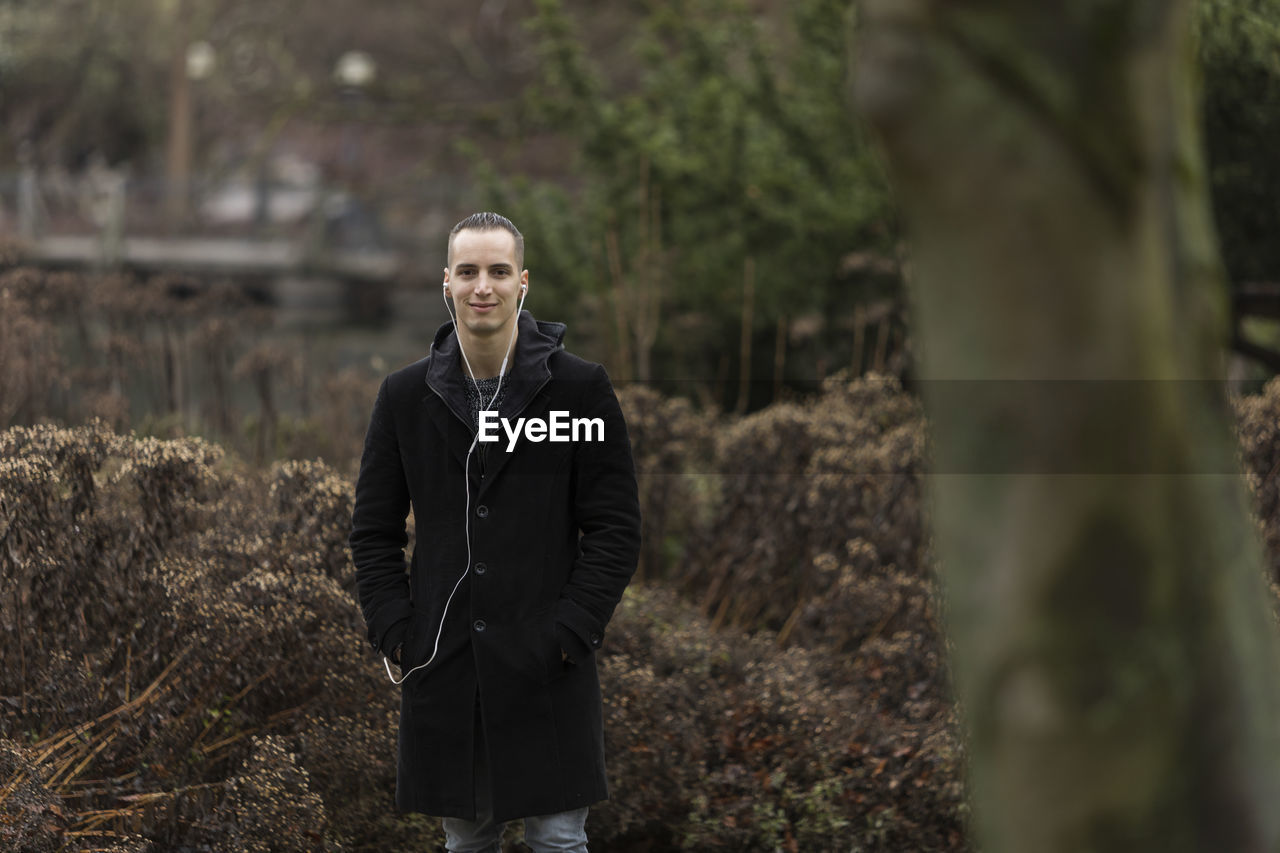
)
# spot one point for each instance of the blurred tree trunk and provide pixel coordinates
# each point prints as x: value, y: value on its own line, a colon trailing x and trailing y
x: 1114, y: 652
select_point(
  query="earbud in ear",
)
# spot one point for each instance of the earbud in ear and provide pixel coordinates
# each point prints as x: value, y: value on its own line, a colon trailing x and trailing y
x: 524, y: 288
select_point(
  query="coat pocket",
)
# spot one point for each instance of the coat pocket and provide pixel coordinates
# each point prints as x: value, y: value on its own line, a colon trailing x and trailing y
x: 553, y: 654
x: 414, y: 653
x: 527, y: 651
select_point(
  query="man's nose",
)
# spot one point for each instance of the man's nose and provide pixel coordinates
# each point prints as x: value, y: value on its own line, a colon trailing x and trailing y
x: 483, y: 284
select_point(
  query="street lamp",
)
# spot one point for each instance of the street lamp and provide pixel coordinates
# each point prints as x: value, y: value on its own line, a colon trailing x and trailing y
x: 191, y: 65
x: 354, y: 71
x: 201, y: 60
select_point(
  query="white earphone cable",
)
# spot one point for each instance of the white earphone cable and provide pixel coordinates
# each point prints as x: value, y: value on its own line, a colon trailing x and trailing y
x: 466, y: 484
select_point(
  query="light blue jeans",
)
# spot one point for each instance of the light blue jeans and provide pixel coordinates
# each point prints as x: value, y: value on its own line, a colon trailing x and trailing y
x: 563, y: 832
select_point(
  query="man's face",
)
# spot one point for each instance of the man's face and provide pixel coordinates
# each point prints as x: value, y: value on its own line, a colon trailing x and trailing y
x: 484, y: 281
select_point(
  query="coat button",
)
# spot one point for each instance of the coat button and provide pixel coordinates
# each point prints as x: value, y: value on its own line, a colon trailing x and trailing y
x: 482, y: 511
x: 595, y: 639
x: 479, y: 625
x: 481, y: 568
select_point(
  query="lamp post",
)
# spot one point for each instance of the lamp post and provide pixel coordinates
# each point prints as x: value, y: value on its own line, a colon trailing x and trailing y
x: 354, y: 71
x: 191, y: 64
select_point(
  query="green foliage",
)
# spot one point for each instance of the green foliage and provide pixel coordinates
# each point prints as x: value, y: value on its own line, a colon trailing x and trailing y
x: 73, y: 72
x: 1240, y: 53
x: 96, y: 77
x: 725, y: 155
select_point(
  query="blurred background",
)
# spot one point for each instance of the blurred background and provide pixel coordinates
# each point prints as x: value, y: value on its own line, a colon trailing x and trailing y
x: 250, y: 200
x: 247, y: 203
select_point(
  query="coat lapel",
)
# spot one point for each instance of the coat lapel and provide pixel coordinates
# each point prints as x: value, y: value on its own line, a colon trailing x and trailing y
x: 452, y: 431
x: 446, y: 399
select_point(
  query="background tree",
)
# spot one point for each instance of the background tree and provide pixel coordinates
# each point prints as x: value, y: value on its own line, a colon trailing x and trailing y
x: 684, y: 159
x: 86, y: 77
x: 718, y: 180
x: 1114, y: 653
x: 1240, y: 54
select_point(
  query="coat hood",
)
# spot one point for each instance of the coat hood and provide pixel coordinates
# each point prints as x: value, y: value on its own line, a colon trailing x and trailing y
x: 446, y: 339
x: 527, y: 370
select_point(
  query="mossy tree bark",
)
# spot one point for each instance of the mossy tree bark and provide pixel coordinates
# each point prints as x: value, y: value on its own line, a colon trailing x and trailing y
x: 1114, y: 651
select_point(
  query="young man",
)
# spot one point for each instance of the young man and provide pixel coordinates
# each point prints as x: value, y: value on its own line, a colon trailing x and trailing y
x: 524, y: 546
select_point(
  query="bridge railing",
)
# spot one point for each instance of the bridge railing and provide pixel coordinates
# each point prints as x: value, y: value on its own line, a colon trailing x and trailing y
x: 105, y: 217
x: 54, y: 201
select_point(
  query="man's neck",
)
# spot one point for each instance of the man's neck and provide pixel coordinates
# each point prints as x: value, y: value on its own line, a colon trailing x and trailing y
x: 485, y: 354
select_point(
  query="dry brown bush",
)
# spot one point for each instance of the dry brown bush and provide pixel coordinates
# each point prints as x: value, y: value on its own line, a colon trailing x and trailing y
x: 30, y: 356
x: 171, y: 356
x: 333, y: 420
x: 163, y: 607
x: 719, y: 740
x: 182, y: 663
x: 805, y: 479
x: 1258, y: 432
x: 672, y: 445
x: 31, y: 816
x: 268, y: 807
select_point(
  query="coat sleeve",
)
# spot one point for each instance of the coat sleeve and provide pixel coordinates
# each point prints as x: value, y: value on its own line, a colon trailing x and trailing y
x: 378, y: 535
x: 607, y: 507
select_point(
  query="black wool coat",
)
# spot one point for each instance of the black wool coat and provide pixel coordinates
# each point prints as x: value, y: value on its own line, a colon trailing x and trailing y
x: 554, y: 533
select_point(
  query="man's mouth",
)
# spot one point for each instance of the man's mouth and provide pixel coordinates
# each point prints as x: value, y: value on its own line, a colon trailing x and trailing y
x: 482, y: 307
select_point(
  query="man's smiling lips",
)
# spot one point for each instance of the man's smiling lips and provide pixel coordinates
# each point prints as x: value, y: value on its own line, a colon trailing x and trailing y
x: 482, y: 307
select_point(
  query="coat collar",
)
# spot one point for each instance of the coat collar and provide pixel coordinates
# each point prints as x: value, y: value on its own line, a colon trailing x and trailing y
x: 527, y: 372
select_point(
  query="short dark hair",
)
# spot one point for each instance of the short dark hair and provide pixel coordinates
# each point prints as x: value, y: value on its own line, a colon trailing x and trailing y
x: 488, y: 221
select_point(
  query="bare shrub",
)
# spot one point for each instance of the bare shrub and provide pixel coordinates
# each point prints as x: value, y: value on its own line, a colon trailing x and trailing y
x: 311, y: 511
x: 719, y: 740
x: 181, y: 663
x: 333, y: 419
x: 268, y: 807
x: 672, y: 446
x: 171, y: 356
x: 31, y: 816
x: 194, y: 676
x: 1258, y: 433
x: 803, y: 479
x: 160, y: 614
x: 266, y: 366
x: 882, y: 625
x: 816, y: 533
x: 30, y: 358
x: 348, y: 754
